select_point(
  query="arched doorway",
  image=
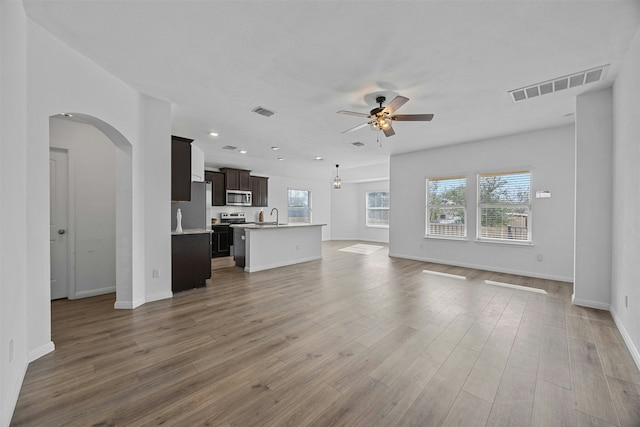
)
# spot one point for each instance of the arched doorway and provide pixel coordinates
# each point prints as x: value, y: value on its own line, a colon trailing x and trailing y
x: 121, y: 231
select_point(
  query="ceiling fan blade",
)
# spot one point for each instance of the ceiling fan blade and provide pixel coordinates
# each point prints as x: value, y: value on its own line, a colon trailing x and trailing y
x: 357, y: 127
x: 388, y: 131
x: 395, y: 103
x: 412, y: 117
x: 353, y: 113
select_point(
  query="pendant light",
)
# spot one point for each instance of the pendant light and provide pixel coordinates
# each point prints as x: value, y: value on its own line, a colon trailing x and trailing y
x: 337, y: 183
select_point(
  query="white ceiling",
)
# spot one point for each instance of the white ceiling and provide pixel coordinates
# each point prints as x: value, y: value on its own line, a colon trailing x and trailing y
x: 215, y: 61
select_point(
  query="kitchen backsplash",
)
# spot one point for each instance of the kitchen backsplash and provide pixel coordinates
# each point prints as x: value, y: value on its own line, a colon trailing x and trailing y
x: 250, y: 211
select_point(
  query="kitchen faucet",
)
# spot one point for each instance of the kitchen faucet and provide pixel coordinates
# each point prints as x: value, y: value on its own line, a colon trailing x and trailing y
x: 271, y: 214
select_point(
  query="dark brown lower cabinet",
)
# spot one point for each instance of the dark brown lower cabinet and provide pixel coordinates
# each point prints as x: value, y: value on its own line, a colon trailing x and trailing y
x: 190, y: 261
x: 220, y: 241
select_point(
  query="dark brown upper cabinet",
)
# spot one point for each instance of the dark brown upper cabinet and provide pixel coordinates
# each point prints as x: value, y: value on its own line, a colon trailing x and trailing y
x: 180, y: 169
x: 259, y: 191
x: 237, y: 179
x: 218, y: 193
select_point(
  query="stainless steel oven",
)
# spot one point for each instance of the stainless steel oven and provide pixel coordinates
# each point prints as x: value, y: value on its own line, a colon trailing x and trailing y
x: 232, y: 218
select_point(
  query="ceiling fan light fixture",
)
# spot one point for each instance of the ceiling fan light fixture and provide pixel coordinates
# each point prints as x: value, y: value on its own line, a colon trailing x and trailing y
x: 380, y: 118
x: 337, y: 182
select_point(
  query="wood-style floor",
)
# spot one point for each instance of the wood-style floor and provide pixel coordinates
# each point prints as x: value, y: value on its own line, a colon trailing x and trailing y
x: 351, y: 340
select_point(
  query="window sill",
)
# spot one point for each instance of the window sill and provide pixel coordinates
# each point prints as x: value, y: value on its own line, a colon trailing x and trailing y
x: 376, y: 226
x: 506, y: 242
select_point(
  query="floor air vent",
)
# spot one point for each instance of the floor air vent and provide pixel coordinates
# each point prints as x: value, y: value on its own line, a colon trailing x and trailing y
x: 559, y: 83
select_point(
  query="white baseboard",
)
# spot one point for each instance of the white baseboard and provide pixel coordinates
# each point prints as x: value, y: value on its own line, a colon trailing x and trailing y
x: 598, y: 305
x: 128, y: 305
x: 159, y: 296
x: 485, y: 267
x: 627, y: 338
x: 94, y: 292
x: 357, y: 239
x: 41, y: 351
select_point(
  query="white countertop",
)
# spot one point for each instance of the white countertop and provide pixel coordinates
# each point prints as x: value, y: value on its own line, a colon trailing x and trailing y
x: 190, y: 231
x: 271, y: 226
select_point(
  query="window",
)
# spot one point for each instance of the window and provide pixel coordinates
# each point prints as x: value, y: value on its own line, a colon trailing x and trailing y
x: 447, y: 207
x: 299, y: 206
x: 378, y: 209
x: 504, y: 206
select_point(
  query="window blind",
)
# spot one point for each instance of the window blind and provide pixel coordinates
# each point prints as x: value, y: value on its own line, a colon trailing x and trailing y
x: 504, y: 206
x: 446, y: 212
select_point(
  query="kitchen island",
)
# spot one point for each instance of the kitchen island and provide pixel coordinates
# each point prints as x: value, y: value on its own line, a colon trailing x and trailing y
x: 263, y: 246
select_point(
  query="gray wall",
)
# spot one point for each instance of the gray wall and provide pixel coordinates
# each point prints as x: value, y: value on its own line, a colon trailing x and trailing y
x: 194, y: 213
x: 626, y: 201
x: 348, y: 212
x: 594, y: 139
x: 548, y: 153
x: 92, y: 170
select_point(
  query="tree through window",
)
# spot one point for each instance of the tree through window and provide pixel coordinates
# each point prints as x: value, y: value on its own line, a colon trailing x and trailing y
x: 447, y: 207
x: 504, y: 206
x: 377, y: 209
x: 299, y: 206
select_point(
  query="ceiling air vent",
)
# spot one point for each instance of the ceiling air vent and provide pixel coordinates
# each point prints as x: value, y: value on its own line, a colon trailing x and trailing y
x: 263, y: 111
x: 229, y: 147
x: 559, y: 83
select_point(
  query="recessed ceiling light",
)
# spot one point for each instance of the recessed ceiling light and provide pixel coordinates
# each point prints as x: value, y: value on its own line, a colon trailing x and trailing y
x: 243, y: 151
x: 275, y: 148
x: 213, y: 133
x: 318, y: 158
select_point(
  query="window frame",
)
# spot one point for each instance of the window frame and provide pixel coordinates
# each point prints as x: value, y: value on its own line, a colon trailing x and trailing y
x: 368, y: 208
x: 510, y: 206
x: 308, y: 208
x: 427, y: 229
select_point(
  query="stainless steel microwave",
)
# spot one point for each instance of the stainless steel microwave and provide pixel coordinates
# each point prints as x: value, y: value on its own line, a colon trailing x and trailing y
x: 238, y: 198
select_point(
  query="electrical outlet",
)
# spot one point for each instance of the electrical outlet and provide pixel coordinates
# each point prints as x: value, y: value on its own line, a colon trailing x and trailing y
x: 156, y: 273
x: 539, y: 257
x: 626, y: 301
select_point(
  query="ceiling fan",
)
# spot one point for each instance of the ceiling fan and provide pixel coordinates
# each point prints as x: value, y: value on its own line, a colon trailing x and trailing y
x: 381, y: 117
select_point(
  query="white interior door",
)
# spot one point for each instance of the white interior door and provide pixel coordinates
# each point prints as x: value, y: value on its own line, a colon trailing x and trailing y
x: 59, y: 223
